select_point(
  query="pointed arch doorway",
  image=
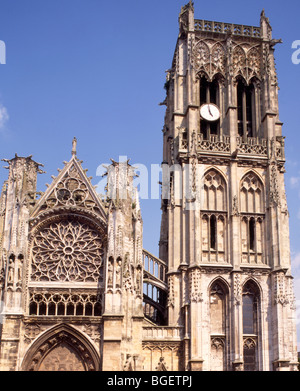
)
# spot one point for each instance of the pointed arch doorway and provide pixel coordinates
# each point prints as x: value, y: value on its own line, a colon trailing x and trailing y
x: 62, y: 348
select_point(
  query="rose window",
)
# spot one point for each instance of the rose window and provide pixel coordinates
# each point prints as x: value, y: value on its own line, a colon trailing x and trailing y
x: 67, y: 251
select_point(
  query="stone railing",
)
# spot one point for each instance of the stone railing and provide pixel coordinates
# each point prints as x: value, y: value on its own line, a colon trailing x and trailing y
x: 280, y: 155
x: 154, y: 266
x: 252, y: 145
x: 246, y: 146
x: 162, y: 333
x: 223, y: 28
x: 215, y: 143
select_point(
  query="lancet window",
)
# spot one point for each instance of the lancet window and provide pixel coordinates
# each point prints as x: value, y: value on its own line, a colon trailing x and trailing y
x: 245, y: 109
x: 214, y: 218
x: 217, y: 307
x: 250, y: 325
x: 252, y: 219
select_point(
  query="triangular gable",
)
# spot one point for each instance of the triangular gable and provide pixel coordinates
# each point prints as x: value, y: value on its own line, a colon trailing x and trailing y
x: 71, y: 188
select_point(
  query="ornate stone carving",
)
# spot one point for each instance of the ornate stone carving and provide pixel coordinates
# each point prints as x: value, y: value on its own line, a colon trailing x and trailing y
x: 238, y: 60
x: 209, y: 60
x: 245, y: 62
x: 218, y: 342
x: 110, y: 271
x: 195, y: 286
x: 93, y: 331
x: 201, y: 56
x: 118, y: 273
x: 266, y: 59
x: 235, y: 206
x: 183, y: 141
x: 227, y: 28
x: 127, y: 274
x: 171, y: 294
x: 61, y: 303
x: 129, y: 363
x: 161, y: 365
x: 62, y: 352
x: 252, y: 146
x: 71, y: 191
x: 184, y: 17
x: 274, y: 196
x: 138, y: 280
x: 281, y: 295
x: 32, y: 330
x: 162, y: 345
x: 237, y: 289
x: 214, y: 144
x: 253, y: 59
x: 218, y: 59
x: 249, y: 343
x: 67, y: 251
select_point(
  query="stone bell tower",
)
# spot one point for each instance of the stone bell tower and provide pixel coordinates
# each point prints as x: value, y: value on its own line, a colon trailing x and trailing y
x: 224, y: 229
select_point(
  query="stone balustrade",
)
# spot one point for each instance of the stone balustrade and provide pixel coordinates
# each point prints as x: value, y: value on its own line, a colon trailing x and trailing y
x: 162, y: 333
x: 224, y: 28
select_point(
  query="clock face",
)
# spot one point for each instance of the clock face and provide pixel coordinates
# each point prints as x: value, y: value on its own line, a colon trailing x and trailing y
x: 209, y: 112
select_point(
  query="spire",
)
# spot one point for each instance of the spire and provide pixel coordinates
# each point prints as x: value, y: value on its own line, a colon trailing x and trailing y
x: 266, y: 29
x: 74, y: 145
x: 186, y: 18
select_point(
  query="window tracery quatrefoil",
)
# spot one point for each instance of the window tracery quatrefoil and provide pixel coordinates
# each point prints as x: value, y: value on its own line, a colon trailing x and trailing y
x: 67, y: 251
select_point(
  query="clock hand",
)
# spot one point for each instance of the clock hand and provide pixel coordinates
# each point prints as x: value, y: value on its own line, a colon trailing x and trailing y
x: 209, y: 111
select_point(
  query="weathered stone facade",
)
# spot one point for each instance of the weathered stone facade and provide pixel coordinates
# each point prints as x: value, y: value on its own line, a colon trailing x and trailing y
x: 79, y: 292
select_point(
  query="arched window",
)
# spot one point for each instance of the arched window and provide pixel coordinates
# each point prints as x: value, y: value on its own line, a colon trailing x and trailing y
x: 252, y: 218
x: 209, y: 93
x: 252, y: 200
x: 217, y: 307
x: 213, y: 218
x: 245, y: 109
x: 214, y: 192
x: 250, y: 325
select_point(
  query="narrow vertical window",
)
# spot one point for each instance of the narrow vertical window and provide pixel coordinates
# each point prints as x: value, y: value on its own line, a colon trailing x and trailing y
x: 250, y: 325
x: 250, y: 299
x: 245, y: 96
x: 214, y: 218
x: 249, y: 93
x: 213, y: 231
x: 217, y: 309
x: 249, y: 314
x: 240, y: 90
x: 218, y: 327
x: 203, y: 91
x: 252, y: 234
x: 252, y: 219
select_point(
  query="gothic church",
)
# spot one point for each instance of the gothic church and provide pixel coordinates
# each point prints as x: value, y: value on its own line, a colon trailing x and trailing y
x: 79, y: 292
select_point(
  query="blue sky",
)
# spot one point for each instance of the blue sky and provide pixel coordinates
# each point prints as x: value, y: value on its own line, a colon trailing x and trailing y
x: 95, y: 70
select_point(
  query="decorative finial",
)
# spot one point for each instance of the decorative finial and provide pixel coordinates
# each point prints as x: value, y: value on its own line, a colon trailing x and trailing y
x: 74, y: 145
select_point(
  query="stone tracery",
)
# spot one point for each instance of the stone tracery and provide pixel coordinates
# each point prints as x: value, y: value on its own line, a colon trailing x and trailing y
x: 67, y: 251
x: 71, y: 191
